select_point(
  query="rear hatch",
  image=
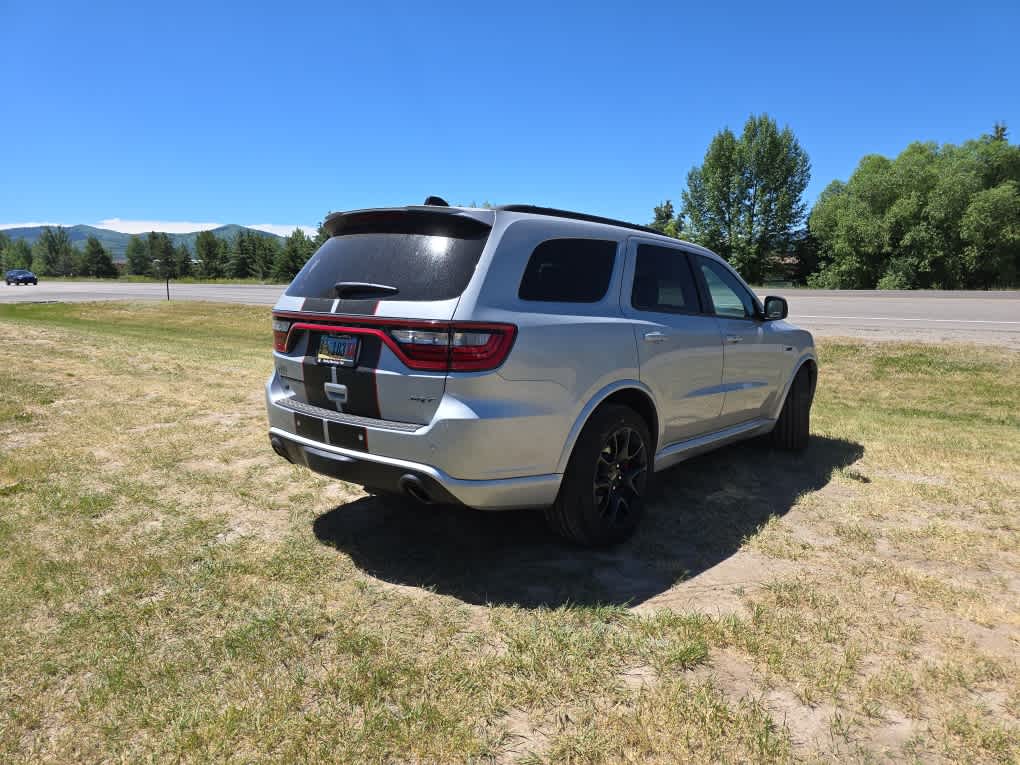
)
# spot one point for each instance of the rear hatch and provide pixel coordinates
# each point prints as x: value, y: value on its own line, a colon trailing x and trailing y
x: 365, y: 328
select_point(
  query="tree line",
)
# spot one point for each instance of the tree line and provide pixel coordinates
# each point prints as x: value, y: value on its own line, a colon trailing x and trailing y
x: 248, y: 255
x: 54, y: 255
x: 936, y: 217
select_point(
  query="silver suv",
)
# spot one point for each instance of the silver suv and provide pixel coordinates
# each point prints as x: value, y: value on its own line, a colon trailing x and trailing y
x: 525, y: 357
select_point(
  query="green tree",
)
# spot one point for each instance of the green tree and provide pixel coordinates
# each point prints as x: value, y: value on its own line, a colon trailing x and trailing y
x: 182, y: 261
x: 241, y: 262
x: 77, y: 262
x: 17, y: 254
x: 297, y: 249
x: 139, y: 261
x: 933, y: 217
x: 745, y: 200
x: 666, y: 220
x: 94, y: 260
x: 321, y: 236
x: 990, y: 229
x: 105, y: 267
x: 209, y: 250
x: 265, y: 250
x: 162, y: 259
x: 52, y: 253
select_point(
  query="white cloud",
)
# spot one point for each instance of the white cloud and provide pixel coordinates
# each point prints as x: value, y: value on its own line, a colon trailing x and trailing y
x: 282, y: 229
x: 169, y: 226
x: 29, y: 224
x: 145, y: 226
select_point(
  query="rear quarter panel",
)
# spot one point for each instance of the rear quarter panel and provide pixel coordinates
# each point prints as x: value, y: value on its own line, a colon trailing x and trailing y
x: 565, y: 353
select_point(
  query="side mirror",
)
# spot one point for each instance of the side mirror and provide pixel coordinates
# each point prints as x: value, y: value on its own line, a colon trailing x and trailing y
x: 776, y: 308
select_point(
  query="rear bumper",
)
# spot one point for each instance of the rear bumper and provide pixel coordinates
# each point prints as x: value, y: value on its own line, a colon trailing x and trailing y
x: 422, y: 482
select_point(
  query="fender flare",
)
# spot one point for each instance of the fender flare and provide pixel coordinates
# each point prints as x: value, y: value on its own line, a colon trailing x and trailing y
x: 593, y: 403
x: 807, y: 357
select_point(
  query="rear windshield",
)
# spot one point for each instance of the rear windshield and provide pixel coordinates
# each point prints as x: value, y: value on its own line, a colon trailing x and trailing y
x: 424, y: 257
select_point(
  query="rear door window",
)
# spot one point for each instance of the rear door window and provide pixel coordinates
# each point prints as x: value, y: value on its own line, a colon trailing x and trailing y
x: 569, y: 271
x: 423, y: 256
x: 663, y: 281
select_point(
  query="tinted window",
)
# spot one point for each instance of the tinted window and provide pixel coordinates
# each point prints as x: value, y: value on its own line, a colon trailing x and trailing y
x: 663, y: 281
x: 569, y: 271
x: 426, y: 257
x: 729, y: 297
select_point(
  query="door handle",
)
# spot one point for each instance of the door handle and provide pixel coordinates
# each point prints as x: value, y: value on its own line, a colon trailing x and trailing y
x: 654, y: 337
x: 734, y: 339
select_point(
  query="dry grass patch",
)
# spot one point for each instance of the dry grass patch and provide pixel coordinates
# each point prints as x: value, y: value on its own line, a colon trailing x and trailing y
x: 171, y: 590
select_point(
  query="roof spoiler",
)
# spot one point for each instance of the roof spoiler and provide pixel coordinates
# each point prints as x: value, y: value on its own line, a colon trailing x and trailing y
x: 422, y: 216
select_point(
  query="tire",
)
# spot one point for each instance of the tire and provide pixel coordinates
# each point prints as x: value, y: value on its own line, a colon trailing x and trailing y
x: 793, y: 428
x: 601, y: 499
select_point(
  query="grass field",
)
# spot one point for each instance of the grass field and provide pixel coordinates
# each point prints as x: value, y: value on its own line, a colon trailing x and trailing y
x: 172, y: 590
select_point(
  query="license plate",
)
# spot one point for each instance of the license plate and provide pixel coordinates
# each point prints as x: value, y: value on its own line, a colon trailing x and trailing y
x: 338, y: 350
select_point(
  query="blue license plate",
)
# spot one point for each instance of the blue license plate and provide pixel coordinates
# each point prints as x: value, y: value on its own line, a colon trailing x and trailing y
x: 338, y: 350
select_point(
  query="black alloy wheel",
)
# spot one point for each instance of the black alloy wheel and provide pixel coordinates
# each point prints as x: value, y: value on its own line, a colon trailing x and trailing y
x: 621, y: 473
x: 601, y: 498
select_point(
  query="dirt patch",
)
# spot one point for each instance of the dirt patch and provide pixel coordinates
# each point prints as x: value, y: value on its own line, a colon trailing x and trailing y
x: 722, y: 589
x: 520, y: 737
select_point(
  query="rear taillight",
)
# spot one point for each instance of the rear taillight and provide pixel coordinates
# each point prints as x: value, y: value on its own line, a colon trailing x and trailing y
x: 435, y: 346
x: 423, y: 348
x: 456, y: 347
x: 281, y: 329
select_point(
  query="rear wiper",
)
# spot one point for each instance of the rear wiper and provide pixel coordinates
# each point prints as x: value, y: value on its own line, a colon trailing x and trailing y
x: 347, y: 289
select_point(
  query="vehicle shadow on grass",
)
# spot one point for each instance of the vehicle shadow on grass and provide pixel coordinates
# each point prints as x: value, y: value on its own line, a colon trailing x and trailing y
x: 699, y: 514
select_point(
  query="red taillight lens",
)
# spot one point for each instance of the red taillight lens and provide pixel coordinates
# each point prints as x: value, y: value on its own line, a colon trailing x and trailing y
x: 424, y: 348
x: 281, y: 329
x: 456, y: 348
x: 476, y: 349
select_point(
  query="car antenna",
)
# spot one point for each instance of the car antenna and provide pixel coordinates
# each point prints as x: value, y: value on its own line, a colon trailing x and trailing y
x: 436, y: 202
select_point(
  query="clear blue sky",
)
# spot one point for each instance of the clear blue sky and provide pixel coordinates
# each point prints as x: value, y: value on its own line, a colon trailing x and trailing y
x: 277, y: 112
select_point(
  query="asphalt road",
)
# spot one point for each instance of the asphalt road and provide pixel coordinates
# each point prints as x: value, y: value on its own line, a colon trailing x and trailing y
x: 930, y: 316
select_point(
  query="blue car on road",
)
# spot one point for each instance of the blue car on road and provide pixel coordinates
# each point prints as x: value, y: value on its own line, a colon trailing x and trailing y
x: 20, y: 276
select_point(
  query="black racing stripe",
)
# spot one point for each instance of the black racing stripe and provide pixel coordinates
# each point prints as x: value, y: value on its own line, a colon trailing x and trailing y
x: 358, y: 307
x: 309, y: 427
x: 317, y: 305
x: 347, y: 436
x: 316, y: 375
x: 362, y: 398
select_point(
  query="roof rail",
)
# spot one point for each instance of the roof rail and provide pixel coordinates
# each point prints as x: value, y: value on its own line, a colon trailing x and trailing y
x: 534, y: 210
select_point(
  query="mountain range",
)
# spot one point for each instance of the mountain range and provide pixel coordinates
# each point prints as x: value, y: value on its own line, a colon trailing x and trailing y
x: 116, y: 242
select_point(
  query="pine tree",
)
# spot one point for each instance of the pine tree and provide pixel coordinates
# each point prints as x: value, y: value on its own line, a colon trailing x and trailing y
x: 297, y: 248
x: 94, y: 259
x: 161, y: 254
x: 242, y: 256
x: 139, y: 261
x: 209, y: 252
x: 266, y: 250
x: 182, y: 260
x: 105, y: 267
